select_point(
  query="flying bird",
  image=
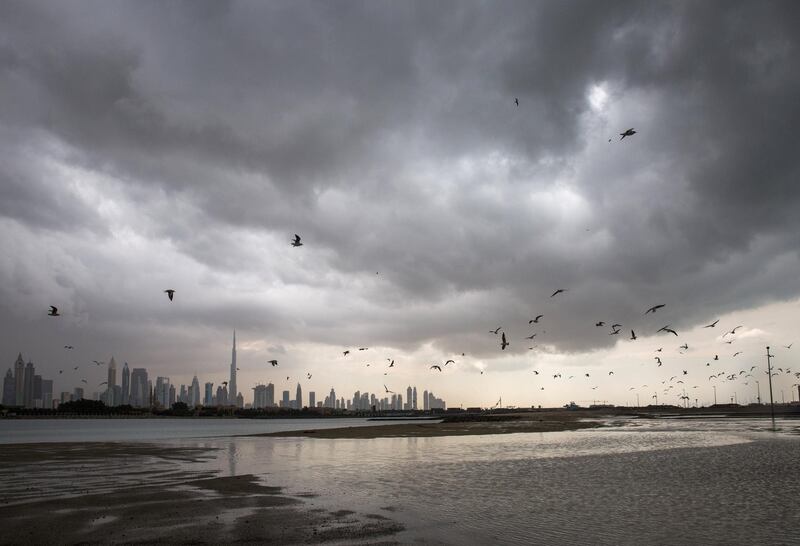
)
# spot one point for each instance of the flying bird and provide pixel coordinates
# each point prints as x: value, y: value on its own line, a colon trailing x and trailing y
x: 712, y: 324
x: 496, y: 330
x: 737, y: 353
x: 685, y: 347
x: 170, y: 293
x: 68, y: 347
x: 557, y: 292
x: 273, y: 362
x: 516, y: 101
x: 654, y: 308
x: 53, y: 311
x: 387, y: 389
x: 391, y: 364
x: 84, y: 381
x: 531, y: 336
x: 732, y: 332
x: 435, y: 367
x: 345, y: 353
x: 667, y: 329
x: 785, y: 346
x: 363, y: 348
x: 296, y: 241
x: 504, y: 343
x: 659, y: 349
x: 633, y: 335
x: 599, y: 324
x: 629, y: 132
x: 658, y: 359
x: 536, y: 320
x: 449, y: 361
x: 614, y: 332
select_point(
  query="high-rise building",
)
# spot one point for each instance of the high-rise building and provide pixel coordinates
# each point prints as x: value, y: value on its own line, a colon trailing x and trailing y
x: 298, y: 399
x: 161, y: 392
x: 270, y: 395
x: 19, y: 380
x: 27, y: 397
x: 77, y: 394
x: 425, y: 401
x: 239, y: 400
x: 112, y: 380
x: 183, y: 396
x: 260, y: 396
x: 285, y: 402
x: 37, y: 391
x: 414, y: 399
x: 195, y: 397
x: 232, y: 389
x: 139, y: 389
x: 9, y: 393
x: 332, y: 398
x: 171, y: 396
x: 312, y: 399
x: 208, y: 400
x: 47, y: 393
x: 126, y: 385
x: 409, y: 399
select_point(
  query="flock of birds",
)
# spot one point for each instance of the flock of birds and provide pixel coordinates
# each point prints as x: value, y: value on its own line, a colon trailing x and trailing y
x: 616, y: 329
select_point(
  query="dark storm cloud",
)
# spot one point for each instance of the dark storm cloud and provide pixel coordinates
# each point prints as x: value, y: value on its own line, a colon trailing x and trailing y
x: 385, y: 133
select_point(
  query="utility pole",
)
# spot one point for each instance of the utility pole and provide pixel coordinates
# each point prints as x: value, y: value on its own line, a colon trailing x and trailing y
x: 715, y: 394
x: 769, y: 374
x: 758, y: 386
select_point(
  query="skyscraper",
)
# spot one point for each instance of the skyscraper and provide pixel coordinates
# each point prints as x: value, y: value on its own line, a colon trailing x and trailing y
x: 27, y: 385
x: 37, y: 391
x: 425, y: 401
x: 270, y: 395
x: 126, y: 385
x: 9, y: 393
x: 332, y: 402
x: 208, y: 401
x: 140, y: 390
x: 19, y: 380
x: 285, y: 402
x: 414, y: 395
x: 312, y: 399
x: 162, y: 391
x: 47, y: 393
x: 77, y: 394
x: 232, y: 383
x: 409, y: 398
x: 298, y: 400
x: 194, y: 399
x: 112, y: 380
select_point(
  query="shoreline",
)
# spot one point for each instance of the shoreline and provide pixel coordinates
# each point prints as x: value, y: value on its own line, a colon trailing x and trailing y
x: 511, y: 423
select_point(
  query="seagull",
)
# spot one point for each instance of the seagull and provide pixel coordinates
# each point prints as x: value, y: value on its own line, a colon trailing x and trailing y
x: 391, y: 364
x: 84, y: 381
x: 685, y: 372
x: 685, y: 347
x: 449, y: 361
x: 170, y: 293
x: 658, y: 359
x: 536, y: 320
x: 531, y: 336
x: 495, y: 331
x: 53, y: 311
x: 712, y: 324
x: 557, y: 292
x: 60, y: 371
x: 599, y: 324
x: 309, y: 375
x: 68, y: 347
x: 75, y: 368
x: 629, y: 132
x: 273, y: 362
x: 98, y: 362
x: 296, y: 241
x: 615, y: 326
x: 732, y: 332
x: 536, y: 372
x: 225, y: 383
x: 785, y: 346
x: 610, y: 373
x: 614, y: 332
x: 654, y: 308
x: 435, y: 367
x: 716, y: 357
x: 516, y: 101
x: 633, y: 335
x: 345, y: 353
x: 363, y: 348
x: 667, y: 329
x: 737, y: 353
x: 587, y: 375
x: 387, y: 389
x: 504, y: 343
x: 659, y: 349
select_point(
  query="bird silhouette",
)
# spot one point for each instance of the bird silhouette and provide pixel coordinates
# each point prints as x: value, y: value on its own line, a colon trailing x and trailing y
x: 658, y: 359
x: 599, y: 324
x: 712, y: 324
x: 363, y: 348
x: 685, y: 347
x: 391, y: 364
x: 737, y: 353
x: 53, y: 311
x: 535, y: 320
x: 531, y: 336
x: 557, y: 292
x: 504, y: 343
x: 449, y: 361
x: 296, y: 241
x: 496, y: 330
x: 435, y: 367
x: 667, y: 329
x: 345, y: 353
x: 788, y: 346
x: 273, y: 362
x: 68, y: 347
x: 387, y: 389
x: 633, y: 335
x: 628, y: 132
x: 732, y: 332
x: 516, y: 101
x: 654, y: 308
x: 170, y: 293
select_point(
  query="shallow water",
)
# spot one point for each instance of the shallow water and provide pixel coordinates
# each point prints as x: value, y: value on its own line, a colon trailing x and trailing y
x: 641, y: 482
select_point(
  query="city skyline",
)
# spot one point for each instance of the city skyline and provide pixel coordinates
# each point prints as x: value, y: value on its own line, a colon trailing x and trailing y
x: 443, y: 185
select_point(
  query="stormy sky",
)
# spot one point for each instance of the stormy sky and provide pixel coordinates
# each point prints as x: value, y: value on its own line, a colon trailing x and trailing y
x: 154, y: 145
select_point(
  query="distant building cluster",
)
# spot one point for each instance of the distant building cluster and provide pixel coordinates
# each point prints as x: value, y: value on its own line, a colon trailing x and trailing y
x: 23, y: 388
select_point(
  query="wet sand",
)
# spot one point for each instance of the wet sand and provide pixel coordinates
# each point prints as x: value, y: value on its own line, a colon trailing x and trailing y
x: 193, y: 508
x: 457, y: 426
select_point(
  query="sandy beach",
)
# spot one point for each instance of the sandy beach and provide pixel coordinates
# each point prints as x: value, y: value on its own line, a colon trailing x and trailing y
x: 462, y: 426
